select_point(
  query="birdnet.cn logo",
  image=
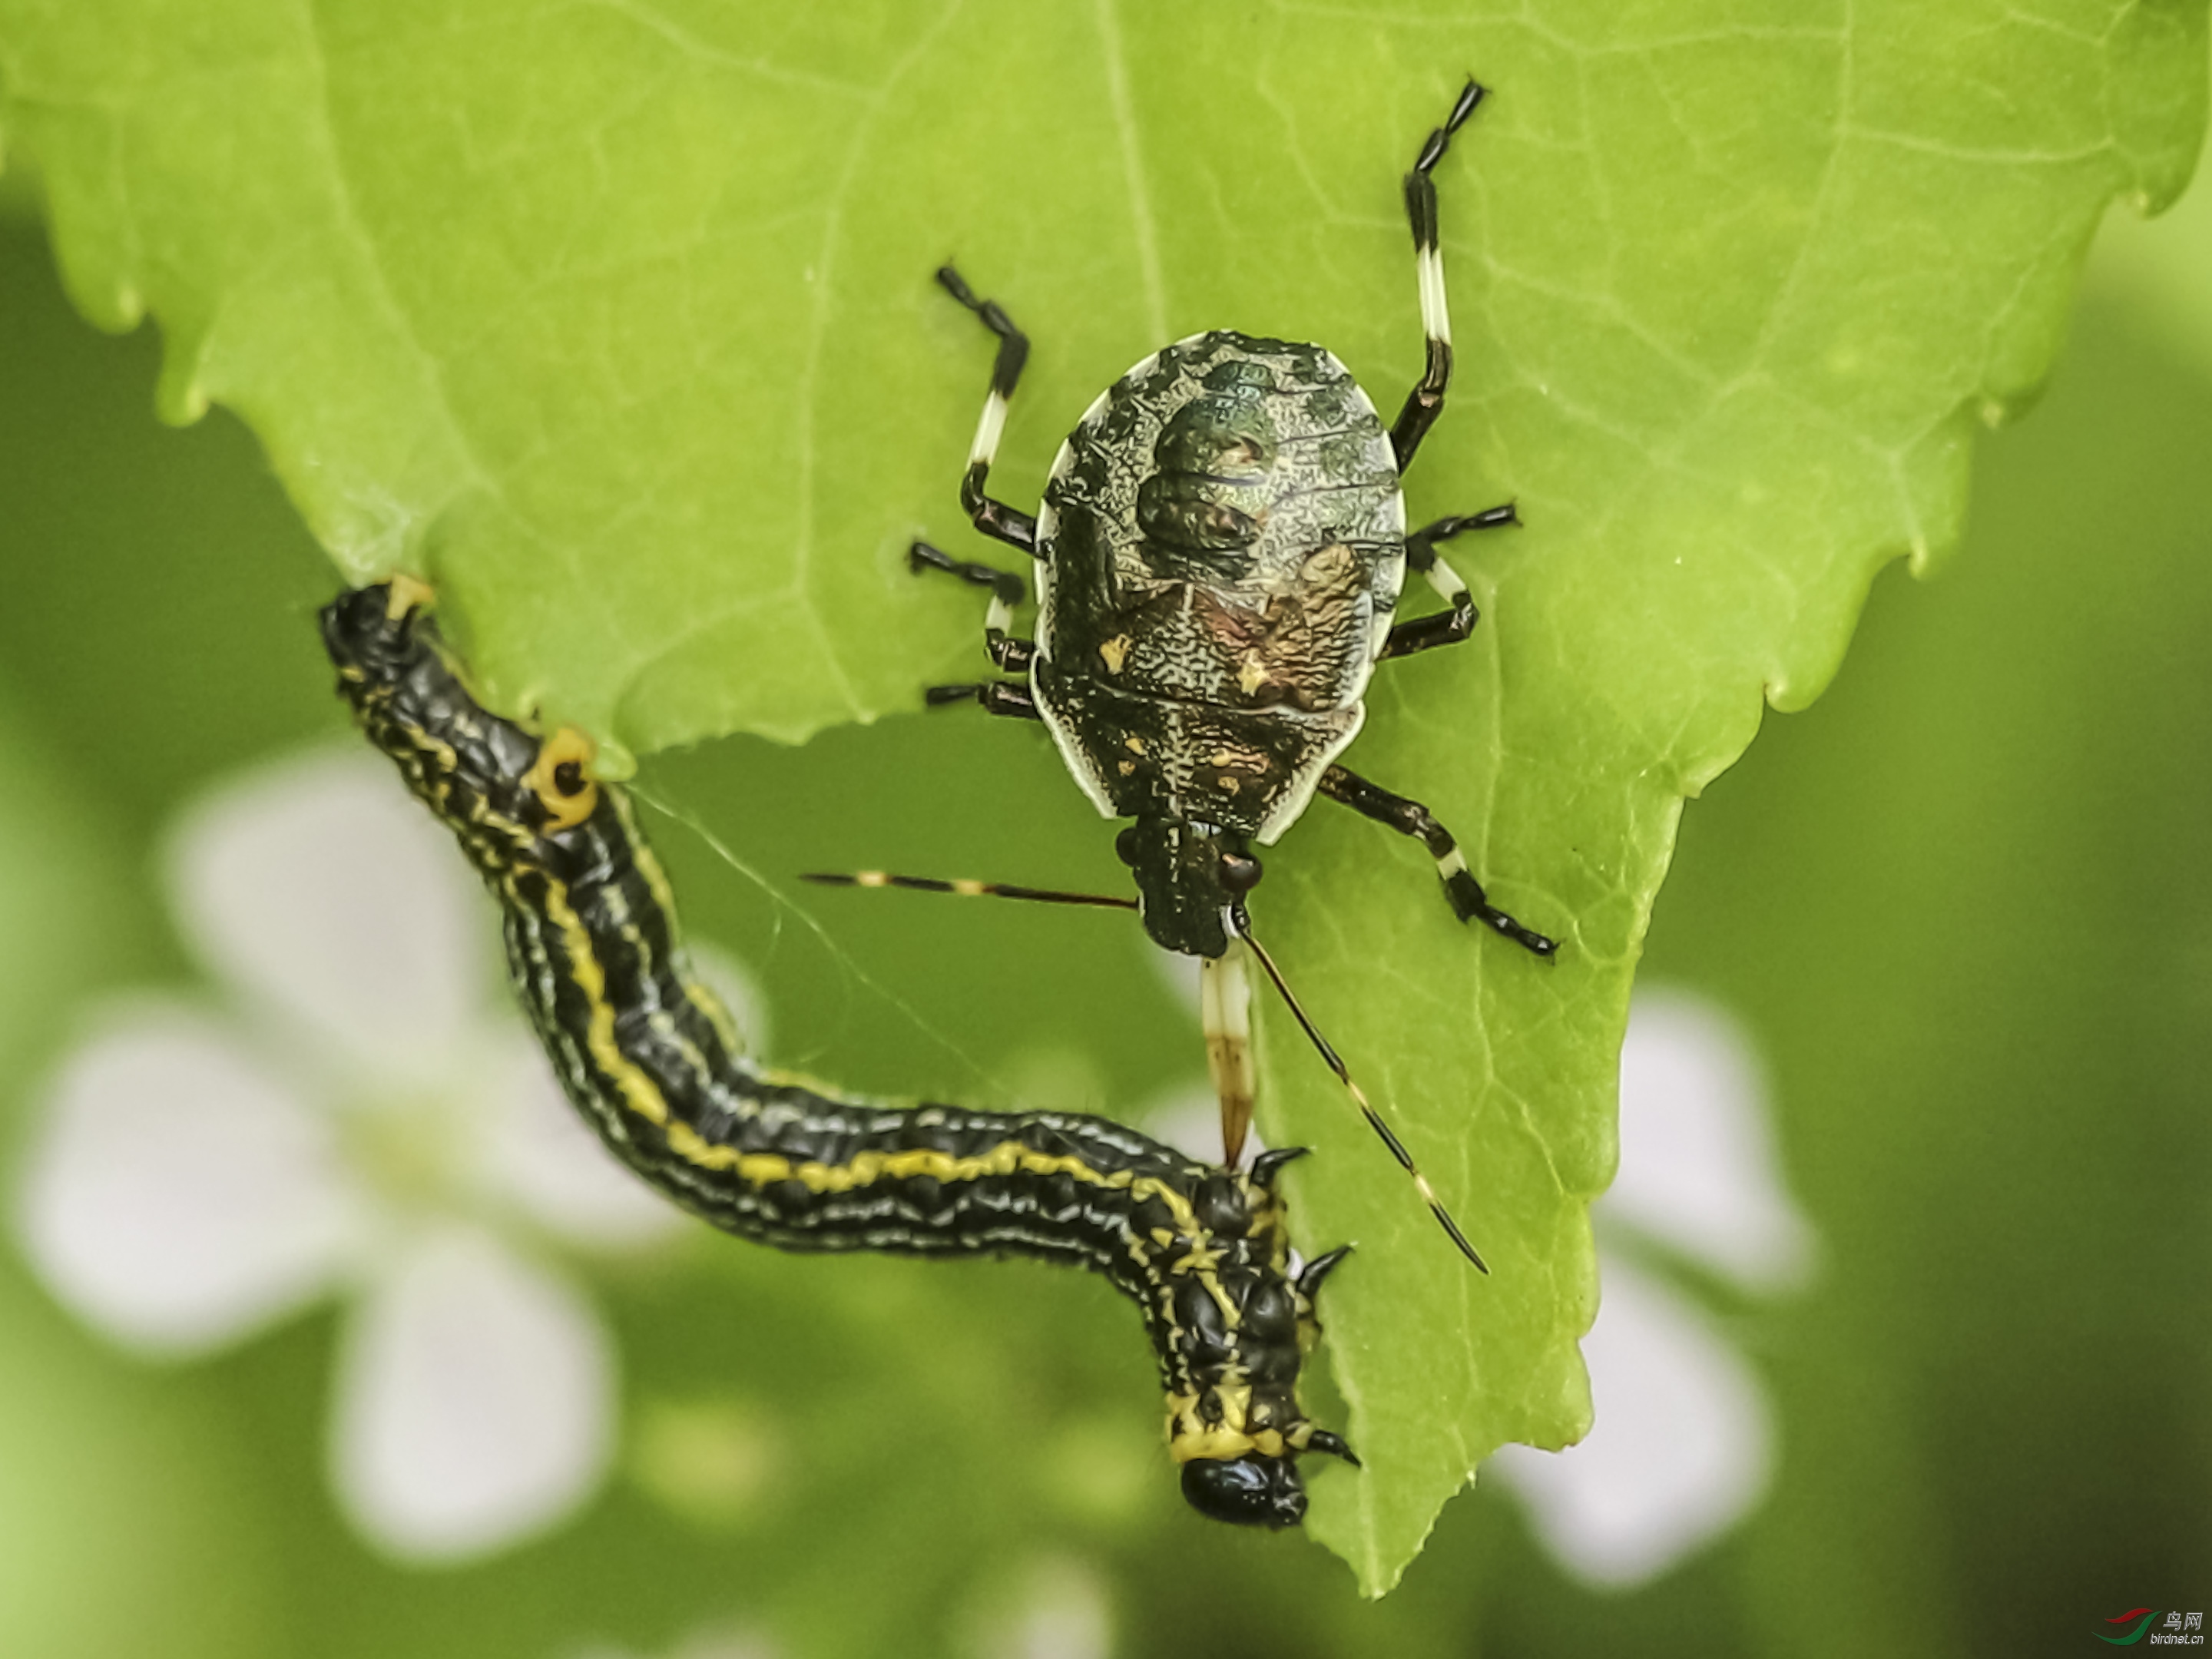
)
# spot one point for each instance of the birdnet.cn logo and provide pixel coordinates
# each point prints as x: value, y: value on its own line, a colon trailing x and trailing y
x: 2183, y: 1630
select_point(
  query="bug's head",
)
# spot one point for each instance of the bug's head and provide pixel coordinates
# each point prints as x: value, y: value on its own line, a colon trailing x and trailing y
x: 1254, y: 1490
x: 496, y: 784
x: 1188, y: 875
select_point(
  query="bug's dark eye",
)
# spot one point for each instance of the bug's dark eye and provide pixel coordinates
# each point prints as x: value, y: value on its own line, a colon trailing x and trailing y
x: 568, y: 778
x: 1240, y: 871
x: 1128, y: 846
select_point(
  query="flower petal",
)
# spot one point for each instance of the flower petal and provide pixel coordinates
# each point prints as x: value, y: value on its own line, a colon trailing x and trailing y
x: 1064, y: 1613
x: 177, y: 1196
x: 318, y: 886
x: 1698, y: 1165
x: 1190, y: 1120
x: 474, y: 1401
x: 740, y: 991
x: 1179, y: 974
x: 538, y: 1153
x: 1680, y: 1452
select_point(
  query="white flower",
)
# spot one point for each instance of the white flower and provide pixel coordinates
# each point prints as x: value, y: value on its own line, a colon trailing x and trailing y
x: 1683, y: 1444
x: 360, y: 1114
x: 1059, y: 1610
x: 1698, y: 1172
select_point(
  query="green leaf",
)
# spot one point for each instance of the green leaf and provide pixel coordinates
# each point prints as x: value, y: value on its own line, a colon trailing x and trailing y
x: 615, y: 320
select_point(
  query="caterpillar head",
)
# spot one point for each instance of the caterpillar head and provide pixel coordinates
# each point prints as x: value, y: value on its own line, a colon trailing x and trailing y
x: 1254, y: 1490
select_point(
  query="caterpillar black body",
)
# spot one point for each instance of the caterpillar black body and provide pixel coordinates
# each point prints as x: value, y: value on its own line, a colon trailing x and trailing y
x: 648, y: 1054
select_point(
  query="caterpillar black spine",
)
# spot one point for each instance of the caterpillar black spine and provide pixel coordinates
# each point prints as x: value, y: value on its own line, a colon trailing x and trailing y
x: 648, y: 1054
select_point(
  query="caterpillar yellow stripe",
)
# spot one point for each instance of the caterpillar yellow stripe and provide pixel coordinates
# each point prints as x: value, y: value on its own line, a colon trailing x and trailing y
x: 645, y: 1053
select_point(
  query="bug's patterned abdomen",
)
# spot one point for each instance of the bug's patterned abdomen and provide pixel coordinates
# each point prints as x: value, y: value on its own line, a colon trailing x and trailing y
x: 1224, y: 526
x: 648, y: 1055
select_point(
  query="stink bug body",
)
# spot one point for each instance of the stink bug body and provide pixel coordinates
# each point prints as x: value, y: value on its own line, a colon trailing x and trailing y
x: 1222, y: 542
x: 1218, y: 557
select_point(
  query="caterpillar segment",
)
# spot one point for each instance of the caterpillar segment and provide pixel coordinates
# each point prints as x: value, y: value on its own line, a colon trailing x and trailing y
x: 646, y: 1053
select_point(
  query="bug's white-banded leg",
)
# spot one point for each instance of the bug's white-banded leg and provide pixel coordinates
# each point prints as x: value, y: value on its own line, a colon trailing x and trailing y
x: 992, y: 518
x: 1009, y: 655
x: 1427, y: 396
x: 1444, y: 627
x: 1409, y: 817
x: 1224, y: 1013
x: 997, y: 696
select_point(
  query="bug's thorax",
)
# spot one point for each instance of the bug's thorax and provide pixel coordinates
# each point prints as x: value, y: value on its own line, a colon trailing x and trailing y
x: 1221, y: 544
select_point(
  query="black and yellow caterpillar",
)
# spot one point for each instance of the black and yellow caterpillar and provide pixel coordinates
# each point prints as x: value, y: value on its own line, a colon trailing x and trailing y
x: 648, y: 1055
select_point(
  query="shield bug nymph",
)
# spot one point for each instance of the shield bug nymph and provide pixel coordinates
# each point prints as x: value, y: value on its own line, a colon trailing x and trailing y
x: 1219, y: 555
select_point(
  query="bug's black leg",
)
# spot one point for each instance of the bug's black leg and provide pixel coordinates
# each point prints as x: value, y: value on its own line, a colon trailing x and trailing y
x: 1410, y: 818
x: 992, y: 518
x: 997, y: 696
x: 1445, y: 627
x: 1007, y: 654
x: 1427, y: 396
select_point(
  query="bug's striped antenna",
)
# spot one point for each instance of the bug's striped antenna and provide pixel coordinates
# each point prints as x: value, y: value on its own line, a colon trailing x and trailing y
x: 966, y: 889
x: 1240, y: 925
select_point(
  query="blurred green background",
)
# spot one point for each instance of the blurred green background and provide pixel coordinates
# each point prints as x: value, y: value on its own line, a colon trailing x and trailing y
x: 1962, y: 905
